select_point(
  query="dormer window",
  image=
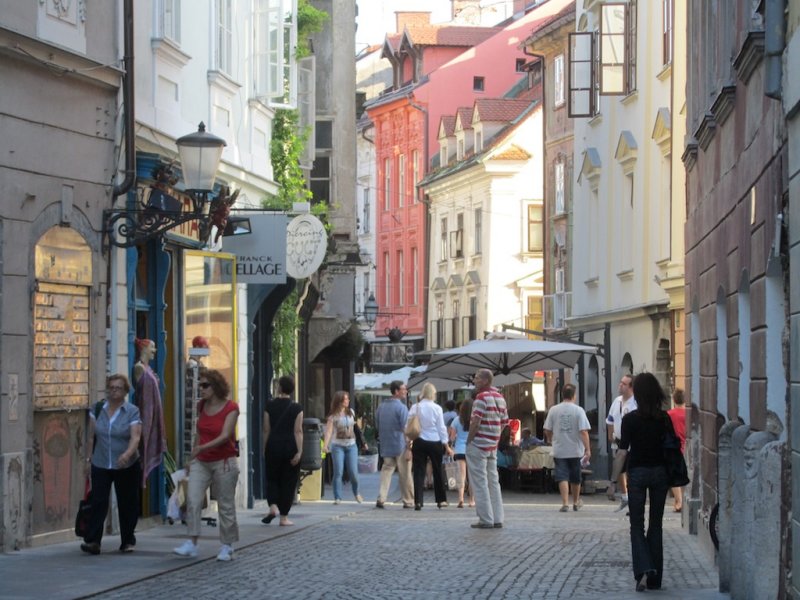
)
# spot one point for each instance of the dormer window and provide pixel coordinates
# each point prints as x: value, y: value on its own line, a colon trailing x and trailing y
x: 478, y: 140
x: 460, y: 150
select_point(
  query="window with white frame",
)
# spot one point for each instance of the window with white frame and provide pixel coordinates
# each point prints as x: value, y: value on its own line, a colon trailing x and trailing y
x: 401, y: 278
x: 307, y: 108
x: 401, y: 179
x: 558, y: 80
x: 603, y: 62
x: 478, y: 232
x: 460, y: 150
x: 415, y: 172
x: 365, y: 216
x: 170, y: 20
x: 666, y: 31
x: 443, y: 254
x: 535, y: 229
x: 387, y: 184
x: 457, y: 238
x: 415, y: 271
x: 559, y: 188
x: 224, y: 50
x: 478, y: 140
x: 443, y: 153
x: 275, y: 41
x: 386, y: 287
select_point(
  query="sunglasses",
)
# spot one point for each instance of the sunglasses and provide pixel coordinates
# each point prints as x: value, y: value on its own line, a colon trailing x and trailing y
x: 204, y: 385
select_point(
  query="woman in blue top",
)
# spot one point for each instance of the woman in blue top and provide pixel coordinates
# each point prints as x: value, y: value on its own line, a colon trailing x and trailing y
x: 114, y: 433
x: 459, y: 429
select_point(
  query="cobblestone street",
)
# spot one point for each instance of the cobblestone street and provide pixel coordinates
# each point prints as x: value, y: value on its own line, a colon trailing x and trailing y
x: 394, y: 553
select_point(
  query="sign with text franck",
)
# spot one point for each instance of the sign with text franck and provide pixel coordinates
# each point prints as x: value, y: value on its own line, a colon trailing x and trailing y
x: 260, y: 254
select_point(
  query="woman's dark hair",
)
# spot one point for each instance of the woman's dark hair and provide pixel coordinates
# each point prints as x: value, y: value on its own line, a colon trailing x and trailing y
x: 464, y: 413
x: 217, y: 380
x: 286, y: 385
x: 649, y: 395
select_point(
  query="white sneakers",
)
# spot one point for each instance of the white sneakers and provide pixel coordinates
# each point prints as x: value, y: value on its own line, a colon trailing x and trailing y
x: 225, y: 553
x: 359, y: 498
x: 188, y: 548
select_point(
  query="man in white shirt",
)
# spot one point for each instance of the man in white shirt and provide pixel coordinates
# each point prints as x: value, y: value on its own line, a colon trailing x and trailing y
x: 622, y: 405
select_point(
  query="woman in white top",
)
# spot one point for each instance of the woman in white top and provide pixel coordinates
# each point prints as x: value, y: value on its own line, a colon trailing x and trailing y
x: 431, y: 444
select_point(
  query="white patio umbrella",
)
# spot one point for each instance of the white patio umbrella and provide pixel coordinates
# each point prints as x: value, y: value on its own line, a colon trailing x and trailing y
x: 511, y: 358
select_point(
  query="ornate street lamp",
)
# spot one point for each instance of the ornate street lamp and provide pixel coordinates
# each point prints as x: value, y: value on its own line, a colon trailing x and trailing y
x: 371, y: 310
x: 200, y: 153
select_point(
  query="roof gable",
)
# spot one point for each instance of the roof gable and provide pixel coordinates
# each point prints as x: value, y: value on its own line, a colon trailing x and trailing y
x: 446, y: 126
x: 498, y: 110
x: 463, y: 118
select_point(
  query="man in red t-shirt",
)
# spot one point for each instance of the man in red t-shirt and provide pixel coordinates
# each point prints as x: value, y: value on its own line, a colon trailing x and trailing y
x: 678, y: 417
x: 489, y: 416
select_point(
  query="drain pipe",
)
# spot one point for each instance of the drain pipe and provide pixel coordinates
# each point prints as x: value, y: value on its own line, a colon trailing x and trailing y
x: 127, y: 103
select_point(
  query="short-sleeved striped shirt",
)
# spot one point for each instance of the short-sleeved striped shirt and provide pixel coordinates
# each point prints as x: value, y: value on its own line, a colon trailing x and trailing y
x: 490, y: 407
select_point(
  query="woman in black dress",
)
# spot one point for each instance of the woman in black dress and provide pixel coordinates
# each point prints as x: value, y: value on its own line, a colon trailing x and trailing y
x: 642, y: 442
x: 283, y: 447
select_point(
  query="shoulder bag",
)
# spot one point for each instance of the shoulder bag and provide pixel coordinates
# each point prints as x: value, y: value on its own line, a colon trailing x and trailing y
x: 413, y: 427
x: 677, y: 473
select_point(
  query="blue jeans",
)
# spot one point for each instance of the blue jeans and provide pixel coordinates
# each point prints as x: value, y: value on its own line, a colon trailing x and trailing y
x: 342, y: 454
x: 647, y: 550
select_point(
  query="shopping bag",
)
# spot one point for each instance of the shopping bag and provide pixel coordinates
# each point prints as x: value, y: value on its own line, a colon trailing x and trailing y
x: 84, y: 511
x: 451, y: 473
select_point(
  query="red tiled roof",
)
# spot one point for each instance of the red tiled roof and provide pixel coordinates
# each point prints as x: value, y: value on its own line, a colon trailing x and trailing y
x: 501, y: 110
x: 449, y: 124
x: 465, y: 112
x: 450, y: 35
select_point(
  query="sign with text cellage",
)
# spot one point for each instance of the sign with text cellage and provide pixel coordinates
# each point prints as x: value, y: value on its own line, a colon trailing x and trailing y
x: 261, y: 254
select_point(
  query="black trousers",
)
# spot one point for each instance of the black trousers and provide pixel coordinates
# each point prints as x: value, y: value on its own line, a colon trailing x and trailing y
x: 281, y: 478
x: 421, y: 451
x: 127, y: 484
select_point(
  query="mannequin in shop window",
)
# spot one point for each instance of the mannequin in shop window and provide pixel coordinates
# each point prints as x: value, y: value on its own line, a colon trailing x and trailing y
x: 148, y: 399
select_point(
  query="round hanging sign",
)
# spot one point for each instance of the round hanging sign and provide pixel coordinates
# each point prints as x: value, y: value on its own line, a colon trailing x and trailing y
x: 306, y: 244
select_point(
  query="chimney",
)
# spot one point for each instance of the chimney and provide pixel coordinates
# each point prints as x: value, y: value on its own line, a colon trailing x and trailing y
x: 411, y: 19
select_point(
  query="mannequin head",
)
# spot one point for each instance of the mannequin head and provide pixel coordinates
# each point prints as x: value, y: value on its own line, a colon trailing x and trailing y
x: 145, y: 349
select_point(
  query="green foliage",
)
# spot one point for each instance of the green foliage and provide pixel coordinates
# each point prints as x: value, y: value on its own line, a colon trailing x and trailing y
x: 287, y: 146
x: 309, y: 20
x: 284, y: 337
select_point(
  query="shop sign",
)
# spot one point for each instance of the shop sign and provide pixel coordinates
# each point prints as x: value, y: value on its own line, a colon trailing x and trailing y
x: 391, y: 354
x: 306, y: 245
x: 261, y: 254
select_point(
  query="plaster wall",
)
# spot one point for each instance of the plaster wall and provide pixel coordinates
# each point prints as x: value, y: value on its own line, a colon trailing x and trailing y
x: 58, y: 123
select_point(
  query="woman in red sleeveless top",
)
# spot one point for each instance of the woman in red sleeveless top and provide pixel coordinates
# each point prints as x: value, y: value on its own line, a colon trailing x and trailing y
x: 214, y: 461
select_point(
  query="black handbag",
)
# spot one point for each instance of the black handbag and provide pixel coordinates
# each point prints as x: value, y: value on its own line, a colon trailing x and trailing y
x: 677, y: 473
x: 84, y: 512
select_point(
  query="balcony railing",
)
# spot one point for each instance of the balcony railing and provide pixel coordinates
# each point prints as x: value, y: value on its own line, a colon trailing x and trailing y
x: 557, y: 308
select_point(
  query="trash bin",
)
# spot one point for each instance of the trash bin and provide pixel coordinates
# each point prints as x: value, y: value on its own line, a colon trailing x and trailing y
x: 312, y: 448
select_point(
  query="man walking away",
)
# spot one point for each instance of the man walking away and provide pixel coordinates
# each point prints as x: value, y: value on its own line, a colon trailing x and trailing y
x: 567, y: 428
x: 622, y: 405
x: 390, y: 419
x: 489, y: 416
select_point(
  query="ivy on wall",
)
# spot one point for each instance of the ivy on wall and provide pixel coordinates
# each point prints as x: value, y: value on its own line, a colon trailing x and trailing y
x: 286, y: 149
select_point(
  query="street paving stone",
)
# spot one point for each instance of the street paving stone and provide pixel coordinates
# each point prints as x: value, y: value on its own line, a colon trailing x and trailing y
x: 395, y: 553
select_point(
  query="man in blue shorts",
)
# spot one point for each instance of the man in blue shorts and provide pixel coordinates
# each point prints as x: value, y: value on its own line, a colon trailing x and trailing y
x: 567, y: 428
